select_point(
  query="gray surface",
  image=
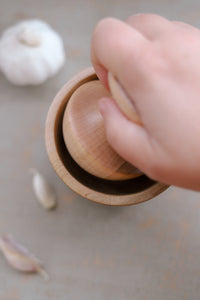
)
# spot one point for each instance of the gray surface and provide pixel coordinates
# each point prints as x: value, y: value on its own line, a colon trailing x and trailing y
x: 144, y: 252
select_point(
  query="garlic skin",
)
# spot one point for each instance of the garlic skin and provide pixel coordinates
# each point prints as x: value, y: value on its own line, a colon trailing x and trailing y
x: 31, y: 52
x: 43, y: 190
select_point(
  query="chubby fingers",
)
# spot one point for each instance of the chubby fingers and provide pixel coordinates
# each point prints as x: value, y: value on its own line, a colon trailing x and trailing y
x: 116, y: 45
x: 150, y: 25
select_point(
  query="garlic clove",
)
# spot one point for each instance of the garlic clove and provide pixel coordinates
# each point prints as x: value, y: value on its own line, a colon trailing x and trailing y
x: 19, y: 257
x: 43, y: 190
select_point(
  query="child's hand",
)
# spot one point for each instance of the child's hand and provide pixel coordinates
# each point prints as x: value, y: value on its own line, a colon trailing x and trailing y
x: 158, y: 64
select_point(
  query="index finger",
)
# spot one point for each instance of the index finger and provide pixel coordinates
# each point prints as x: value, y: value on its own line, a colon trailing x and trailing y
x: 117, y: 47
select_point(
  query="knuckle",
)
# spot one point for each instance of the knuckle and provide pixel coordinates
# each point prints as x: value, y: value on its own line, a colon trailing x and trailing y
x: 141, y: 18
x: 103, y: 24
x: 154, y: 62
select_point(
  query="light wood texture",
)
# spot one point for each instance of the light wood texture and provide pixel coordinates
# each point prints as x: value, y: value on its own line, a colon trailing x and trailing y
x: 84, y: 135
x: 125, y: 192
x: 122, y: 100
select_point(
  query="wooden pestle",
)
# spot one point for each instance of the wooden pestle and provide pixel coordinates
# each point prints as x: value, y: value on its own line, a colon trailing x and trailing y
x: 84, y: 132
x: 122, y: 100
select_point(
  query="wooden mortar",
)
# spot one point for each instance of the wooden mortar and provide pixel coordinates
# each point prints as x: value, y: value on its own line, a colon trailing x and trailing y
x: 110, y: 192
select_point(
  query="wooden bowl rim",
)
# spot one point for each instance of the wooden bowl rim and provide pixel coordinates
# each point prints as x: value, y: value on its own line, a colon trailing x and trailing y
x: 55, y: 110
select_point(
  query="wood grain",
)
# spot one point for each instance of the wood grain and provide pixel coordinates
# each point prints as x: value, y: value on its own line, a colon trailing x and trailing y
x: 84, y: 135
x: 116, y: 193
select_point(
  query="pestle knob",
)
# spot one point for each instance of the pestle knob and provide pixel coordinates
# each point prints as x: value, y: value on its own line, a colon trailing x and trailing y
x: 122, y: 100
x: 84, y: 134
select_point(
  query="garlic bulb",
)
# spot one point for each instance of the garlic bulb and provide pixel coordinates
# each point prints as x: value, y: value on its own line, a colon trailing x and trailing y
x: 43, y: 190
x: 30, y: 52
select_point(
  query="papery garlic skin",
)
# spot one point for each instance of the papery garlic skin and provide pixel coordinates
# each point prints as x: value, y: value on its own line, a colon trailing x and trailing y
x: 31, y: 52
x: 43, y: 190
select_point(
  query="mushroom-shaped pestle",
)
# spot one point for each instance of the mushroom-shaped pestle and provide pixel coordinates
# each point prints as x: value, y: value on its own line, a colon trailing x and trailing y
x: 85, y: 139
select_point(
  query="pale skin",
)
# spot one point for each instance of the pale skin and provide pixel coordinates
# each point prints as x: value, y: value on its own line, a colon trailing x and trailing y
x: 157, y: 61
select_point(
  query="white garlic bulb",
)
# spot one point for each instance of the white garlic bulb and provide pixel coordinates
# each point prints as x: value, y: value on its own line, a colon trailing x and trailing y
x: 43, y: 190
x: 30, y: 52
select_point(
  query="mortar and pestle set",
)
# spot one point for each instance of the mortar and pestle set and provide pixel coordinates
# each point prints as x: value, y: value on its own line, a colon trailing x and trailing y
x: 79, y: 152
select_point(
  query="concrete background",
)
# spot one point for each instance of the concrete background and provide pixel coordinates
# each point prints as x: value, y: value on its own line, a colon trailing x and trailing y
x: 144, y: 252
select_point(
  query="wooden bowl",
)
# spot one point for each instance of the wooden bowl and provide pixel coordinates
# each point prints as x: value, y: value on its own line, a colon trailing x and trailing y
x: 125, y: 192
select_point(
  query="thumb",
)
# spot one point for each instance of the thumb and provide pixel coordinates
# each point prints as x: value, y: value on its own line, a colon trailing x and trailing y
x: 129, y: 140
